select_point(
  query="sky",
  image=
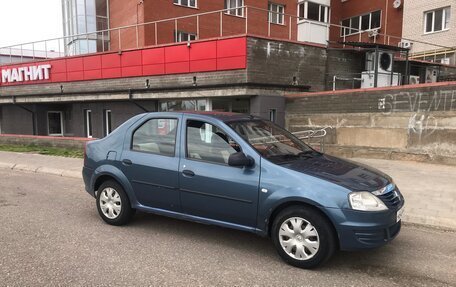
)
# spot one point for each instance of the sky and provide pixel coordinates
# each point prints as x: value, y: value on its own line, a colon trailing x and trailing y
x: 29, y: 20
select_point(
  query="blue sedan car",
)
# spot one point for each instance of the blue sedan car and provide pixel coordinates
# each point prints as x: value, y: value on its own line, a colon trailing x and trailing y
x: 242, y: 172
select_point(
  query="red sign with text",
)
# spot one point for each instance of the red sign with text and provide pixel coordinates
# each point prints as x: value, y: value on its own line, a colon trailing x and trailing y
x: 205, y: 56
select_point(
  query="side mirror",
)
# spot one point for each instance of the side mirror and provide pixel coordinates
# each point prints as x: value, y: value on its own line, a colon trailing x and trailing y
x: 240, y: 159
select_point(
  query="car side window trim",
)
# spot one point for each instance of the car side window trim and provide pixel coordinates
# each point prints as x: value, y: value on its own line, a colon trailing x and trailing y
x: 176, y: 136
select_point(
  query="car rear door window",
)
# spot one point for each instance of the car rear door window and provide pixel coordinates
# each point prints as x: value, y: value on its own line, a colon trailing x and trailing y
x: 156, y: 136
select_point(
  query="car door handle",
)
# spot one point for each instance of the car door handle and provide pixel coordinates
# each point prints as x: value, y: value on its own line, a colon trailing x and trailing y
x: 127, y: 162
x: 188, y: 173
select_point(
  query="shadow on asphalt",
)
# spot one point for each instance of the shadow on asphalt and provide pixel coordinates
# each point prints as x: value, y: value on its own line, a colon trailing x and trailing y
x: 243, y: 241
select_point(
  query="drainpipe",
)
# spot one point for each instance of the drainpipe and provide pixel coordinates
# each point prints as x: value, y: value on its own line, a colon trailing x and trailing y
x: 28, y: 110
x: 386, y: 22
x: 407, y: 68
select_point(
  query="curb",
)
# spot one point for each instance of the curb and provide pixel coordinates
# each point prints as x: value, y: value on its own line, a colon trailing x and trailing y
x: 42, y: 170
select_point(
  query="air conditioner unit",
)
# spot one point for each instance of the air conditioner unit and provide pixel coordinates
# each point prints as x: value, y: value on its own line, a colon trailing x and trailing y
x: 373, y: 33
x: 385, y: 61
x: 414, y: 80
x: 383, y: 80
x: 431, y: 75
x: 405, y: 44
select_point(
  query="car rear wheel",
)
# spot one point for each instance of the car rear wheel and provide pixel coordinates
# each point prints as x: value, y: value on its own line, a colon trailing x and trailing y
x: 113, y: 204
x: 303, y: 237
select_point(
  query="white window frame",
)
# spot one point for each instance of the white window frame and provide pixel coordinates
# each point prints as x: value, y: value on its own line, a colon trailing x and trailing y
x: 445, y: 10
x: 179, y: 3
x: 236, y: 10
x: 108, y: 122
x: 61, y: 123
x: 276, y: 13
x: 182, y: 36
x: 305, y: 6
x: 88, y: 130
x: 360, y: 18
x: 273, y: 115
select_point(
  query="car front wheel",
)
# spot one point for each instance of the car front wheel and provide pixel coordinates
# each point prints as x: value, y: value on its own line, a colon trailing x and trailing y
x: 113, y: 204
x: 303, y: 237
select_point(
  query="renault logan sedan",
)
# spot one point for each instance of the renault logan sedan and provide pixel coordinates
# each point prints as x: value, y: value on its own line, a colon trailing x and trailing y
x: 246, y: 173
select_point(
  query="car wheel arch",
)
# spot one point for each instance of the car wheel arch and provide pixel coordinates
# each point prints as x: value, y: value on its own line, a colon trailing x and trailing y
x: 288, y: 204
x: 116, y: 175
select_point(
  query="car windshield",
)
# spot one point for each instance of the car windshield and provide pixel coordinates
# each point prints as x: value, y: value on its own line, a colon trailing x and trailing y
x: 271, y: 141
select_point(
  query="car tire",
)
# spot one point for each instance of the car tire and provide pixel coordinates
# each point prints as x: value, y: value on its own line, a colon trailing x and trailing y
x: 113, y: 204
x: 303, y: 237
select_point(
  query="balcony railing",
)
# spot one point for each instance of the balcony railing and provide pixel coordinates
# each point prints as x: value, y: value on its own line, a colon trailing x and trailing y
x: 208, y: 25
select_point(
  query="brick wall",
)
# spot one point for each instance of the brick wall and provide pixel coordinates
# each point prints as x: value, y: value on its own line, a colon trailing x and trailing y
x: 124, y: 13
x: 391, y: 19
x: 276, y: 62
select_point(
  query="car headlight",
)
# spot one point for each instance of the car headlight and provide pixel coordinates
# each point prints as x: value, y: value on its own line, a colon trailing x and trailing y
x: 366, y: 201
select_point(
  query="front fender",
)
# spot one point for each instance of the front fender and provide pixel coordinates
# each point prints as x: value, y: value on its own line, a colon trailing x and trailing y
x: 279, y: 186
x: 119, y: 176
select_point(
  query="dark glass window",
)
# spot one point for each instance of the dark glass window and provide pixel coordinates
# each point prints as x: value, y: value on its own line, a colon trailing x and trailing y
x: 345, y: 29
x: 376, y: 19
x: 55, y: 123
x: 365, y: 21
x: 354, y: 25
x: 313, y: 11
x: 438, y: 20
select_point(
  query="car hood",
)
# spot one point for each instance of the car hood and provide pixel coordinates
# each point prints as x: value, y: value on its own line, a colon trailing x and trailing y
x: 351, y: 175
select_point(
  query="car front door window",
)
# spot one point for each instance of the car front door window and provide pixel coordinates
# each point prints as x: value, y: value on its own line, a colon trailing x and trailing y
x: 209, y: 143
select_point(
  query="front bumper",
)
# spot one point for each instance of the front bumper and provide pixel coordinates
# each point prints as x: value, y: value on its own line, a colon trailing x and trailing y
x: 362, y: 230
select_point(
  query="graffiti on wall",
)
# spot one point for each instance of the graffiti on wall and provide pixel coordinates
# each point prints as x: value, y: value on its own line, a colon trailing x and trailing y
x: 418, y: 102
x: 422, y: 104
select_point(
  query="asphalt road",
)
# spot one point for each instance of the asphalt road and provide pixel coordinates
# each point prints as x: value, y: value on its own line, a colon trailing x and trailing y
x: 51, y: 234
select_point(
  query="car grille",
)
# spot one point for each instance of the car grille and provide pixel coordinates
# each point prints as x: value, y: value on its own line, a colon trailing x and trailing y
x: 391, y: 199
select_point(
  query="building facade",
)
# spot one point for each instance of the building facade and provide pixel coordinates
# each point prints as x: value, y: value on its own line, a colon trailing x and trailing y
x: 168, y: 55
x: 433, y: 24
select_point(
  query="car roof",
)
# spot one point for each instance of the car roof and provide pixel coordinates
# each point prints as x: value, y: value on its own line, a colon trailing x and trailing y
x: 222, y: 116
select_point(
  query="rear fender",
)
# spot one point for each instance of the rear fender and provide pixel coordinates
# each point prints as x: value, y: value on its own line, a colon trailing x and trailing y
x: 119, y: 176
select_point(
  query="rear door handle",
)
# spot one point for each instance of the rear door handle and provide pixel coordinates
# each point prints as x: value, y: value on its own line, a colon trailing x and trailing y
x: 127, y: 162
x: 188, y: 173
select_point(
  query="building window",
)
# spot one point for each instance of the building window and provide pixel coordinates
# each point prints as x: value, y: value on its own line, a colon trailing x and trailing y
x: 108, y: 122
x: 313, y: 11
x: 187, y: 3
x: 85, y: 16
x: 235, y: 7
x: 88, y: 123
x: 276, y: 13
x: 273, y: 115
x: 187, y: 105
x: 360, y: 23
x: 55, y: 123
x: 437, y: 20
x: 181, y: 36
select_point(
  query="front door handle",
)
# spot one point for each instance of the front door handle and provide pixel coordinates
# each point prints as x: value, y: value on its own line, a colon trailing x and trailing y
x: 188, y: 173
x: 127, y: 162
